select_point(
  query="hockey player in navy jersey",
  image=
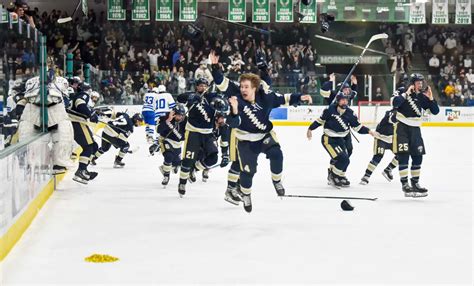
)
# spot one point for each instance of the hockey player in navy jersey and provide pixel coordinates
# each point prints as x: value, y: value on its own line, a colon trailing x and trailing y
x: 329, y: 94
x: 80, y: 113
x: 337, y: 119
x: 116, y: 133
x: 383, y: 141
x: 171, y: 128
x: 251, y: 105
x: 407, y: 139
x: 198, y: 136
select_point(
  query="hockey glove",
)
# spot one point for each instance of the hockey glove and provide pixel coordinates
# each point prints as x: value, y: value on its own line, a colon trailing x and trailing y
x: 155, y: 147
x: 194, y: 98
x: 225, y: 160
x: 94, y: 118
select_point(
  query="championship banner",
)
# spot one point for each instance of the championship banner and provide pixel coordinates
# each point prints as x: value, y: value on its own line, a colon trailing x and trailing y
x: 440, y: 12
x: 115, y: 10
x: 3, y: 15
x: 237, y: 11
x: 141, y: 10
x: 187, y: 10
x: 284, y: 11
x: 85, y: 8
x: 309, y: 12
x: 261, y: 11
x: 463, y: 12
x: 417, y: 13
x: 164, y: 10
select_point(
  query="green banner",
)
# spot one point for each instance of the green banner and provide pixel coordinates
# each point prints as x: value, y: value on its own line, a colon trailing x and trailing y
x: 368, y: 11
x: 85, y: 8
x: 440, y: 12
x: 3, y: 15
x: 187, y: 10
x: 261, y: 11
x: 237, y: 11
x: 164, y: 10
x: 309, y: 12
x: 284, y: 11
x: 463, y: 12
x: 115, y: 10
x: 141, y: 10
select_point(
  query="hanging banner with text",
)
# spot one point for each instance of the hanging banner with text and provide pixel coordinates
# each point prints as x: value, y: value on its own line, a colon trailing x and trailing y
x: 440, y: 12
x: 463, y: 12
x: 187, y: 10
x: 141, y: 10
x: 164, y: 10
x: 284, y: 11
x: 115, y: 10
x: 309, y: 12
x: 261, y: 11
x: 237, y: 11
x: 417, y: 13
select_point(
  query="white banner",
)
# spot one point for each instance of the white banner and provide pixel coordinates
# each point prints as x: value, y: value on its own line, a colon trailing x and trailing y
x: 463, y: 12
x: 440, y: 12
x: 417, y: 13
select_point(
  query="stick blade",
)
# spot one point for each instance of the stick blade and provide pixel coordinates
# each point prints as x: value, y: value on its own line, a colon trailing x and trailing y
x: 64, y: 20
x: 378, y: 37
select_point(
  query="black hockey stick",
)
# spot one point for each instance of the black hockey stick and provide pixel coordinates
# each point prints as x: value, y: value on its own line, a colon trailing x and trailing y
x: 68, y: 19
x: 330, y: 197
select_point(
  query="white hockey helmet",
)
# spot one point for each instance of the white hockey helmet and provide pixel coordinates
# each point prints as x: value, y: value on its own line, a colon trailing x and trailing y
x: 161, y: 88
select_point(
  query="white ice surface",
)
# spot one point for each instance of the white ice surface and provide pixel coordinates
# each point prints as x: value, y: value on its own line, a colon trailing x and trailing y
x: 161, y: 238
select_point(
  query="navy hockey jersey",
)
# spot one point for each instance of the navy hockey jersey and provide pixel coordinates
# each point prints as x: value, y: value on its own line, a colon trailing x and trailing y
x: 410, y: 107
x: 173, y: 131
x: 121, y: 127
x: 201, y: 114
x: 337, y: 124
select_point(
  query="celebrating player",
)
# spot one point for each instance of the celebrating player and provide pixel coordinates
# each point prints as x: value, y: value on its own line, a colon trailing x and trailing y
x: 171, y: 129
x: 407, y: 139
x: 116, y: 133
x: 337, y: 120
x: 250, y: 116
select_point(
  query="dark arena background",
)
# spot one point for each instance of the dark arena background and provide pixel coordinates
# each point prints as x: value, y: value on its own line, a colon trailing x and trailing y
x: 236, y: 142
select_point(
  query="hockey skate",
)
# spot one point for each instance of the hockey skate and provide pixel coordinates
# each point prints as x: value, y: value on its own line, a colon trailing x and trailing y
x: 166, y: 180
x: 280, y: 190
x: 364, y: 181
x: 91, y: 175
x: 149, y: 139
x: 387, y: 173
x: 345, y: 182
x: 247, y: 203
x: 408, y: 190
x: 118, y: 163
x: 418, y: 190
x: 81, y: 177
x: 232, y: 196
x: 205, y: 175
x: 335, y: 180
x: 192, y: 176
x: 329, y: 176
x: 59, y: 170
x: 181, y: 190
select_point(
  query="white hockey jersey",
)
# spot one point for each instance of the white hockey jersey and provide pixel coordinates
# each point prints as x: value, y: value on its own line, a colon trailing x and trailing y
x: 159, y: 103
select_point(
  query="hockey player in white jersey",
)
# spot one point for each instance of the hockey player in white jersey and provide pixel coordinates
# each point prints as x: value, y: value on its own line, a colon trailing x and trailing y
x: 58, y: 120
x: 156, y: 103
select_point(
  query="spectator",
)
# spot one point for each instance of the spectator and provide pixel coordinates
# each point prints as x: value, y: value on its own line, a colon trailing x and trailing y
x: 378, y: 94
x: 434, y: 65
x: 450, y: 45
x: 203, y: 72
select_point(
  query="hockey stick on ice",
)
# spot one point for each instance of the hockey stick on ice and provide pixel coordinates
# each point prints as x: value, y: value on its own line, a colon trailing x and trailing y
x: 330, y: 197
x: 131, y: 151
x: 68, y: 19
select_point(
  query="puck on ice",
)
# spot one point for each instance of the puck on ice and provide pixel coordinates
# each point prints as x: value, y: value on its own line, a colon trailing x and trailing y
x: 346, y: 205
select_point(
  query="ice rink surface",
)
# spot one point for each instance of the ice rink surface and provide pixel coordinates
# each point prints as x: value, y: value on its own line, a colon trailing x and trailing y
x: 201, y: 239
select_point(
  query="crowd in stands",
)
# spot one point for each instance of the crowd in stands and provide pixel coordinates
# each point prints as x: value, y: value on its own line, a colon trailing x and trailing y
x: 449, y: 56
x: 130, y: 53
